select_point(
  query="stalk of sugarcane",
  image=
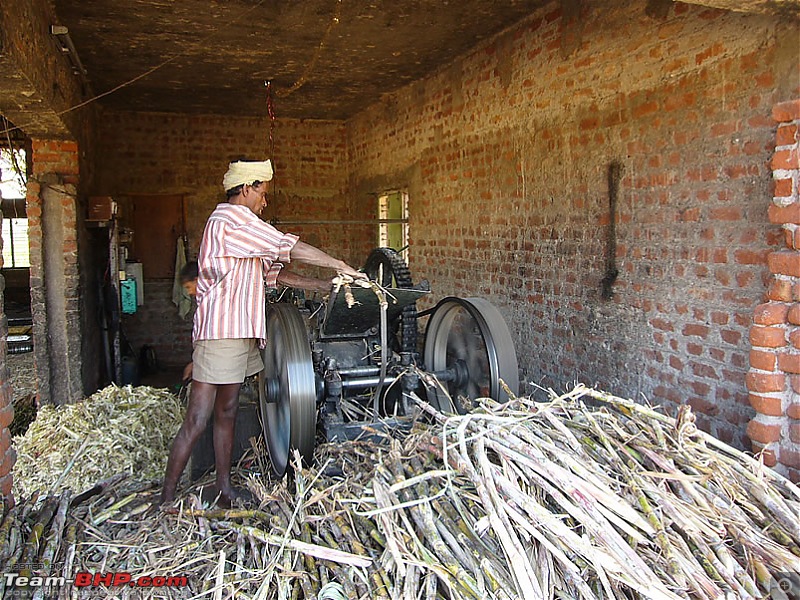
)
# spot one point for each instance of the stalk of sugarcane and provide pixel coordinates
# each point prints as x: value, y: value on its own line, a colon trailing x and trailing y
x: 673, y: 568
x: 7, y: 542
x: 524, y: 578
x: 345, y: 581
x: 430, y: 586
x: 9, y: 534
x: 111, y: 510
x: 33, y: 543
x: 310, y: 562
x: 424, y: 521
x: 379, y: 588
x: 221, y: 514
x: 97, y: 489
x: 727, y: 453
x: 54, y: 539
x: 384, y: 500
x: 298, y: 546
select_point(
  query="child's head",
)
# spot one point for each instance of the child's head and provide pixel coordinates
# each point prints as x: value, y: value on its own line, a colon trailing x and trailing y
x: 188, y: 277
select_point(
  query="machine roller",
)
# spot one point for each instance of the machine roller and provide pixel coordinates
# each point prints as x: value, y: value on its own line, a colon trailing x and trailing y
x: 345, y: 368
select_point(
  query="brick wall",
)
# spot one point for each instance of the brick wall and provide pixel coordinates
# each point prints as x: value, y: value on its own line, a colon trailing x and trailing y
x: 506, y: 154
x: 149, y: 153
x: 774, y: 377
x: 8, y: 455
x: 156, y: 324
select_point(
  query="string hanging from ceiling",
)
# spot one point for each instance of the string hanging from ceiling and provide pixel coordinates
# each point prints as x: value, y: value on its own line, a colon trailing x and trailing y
x: 337, y: 13
x: 282, y: 93
x: 271, y: 148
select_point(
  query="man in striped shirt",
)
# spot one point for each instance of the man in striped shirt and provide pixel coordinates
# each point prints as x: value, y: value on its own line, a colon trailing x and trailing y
x: 240, y: 256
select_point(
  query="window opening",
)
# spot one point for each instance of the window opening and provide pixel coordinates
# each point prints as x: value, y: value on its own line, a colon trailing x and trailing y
x: 393, y: 217
x: 16, y: 251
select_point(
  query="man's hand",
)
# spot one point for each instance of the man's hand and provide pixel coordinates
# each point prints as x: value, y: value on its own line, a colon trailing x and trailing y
x: 187, y: 371
x: 351, y: 272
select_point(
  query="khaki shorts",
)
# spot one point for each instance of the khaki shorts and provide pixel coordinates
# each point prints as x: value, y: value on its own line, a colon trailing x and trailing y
x: 225, y: 361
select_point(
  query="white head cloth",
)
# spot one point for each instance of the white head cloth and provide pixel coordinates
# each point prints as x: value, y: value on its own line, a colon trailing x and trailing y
x: 241, y: 172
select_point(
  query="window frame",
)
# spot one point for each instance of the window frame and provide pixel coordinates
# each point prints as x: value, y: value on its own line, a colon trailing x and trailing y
x: 385, y: 222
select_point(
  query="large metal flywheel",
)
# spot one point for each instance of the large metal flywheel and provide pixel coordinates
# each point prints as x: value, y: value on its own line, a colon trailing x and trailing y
x: 286, y: 388
x: 468, y: 339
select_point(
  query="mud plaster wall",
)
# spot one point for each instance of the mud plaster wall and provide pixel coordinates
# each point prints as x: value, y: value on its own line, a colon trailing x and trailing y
x: 150, y: 153
x: 506, y: 155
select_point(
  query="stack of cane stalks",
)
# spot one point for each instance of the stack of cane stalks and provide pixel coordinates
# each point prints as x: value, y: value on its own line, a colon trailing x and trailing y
x: 586, y: 496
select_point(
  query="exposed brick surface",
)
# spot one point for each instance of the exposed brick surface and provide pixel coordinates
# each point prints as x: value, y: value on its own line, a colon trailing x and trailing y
x: 7, y: 453
x: 784, y: 214
x: 771, y: 313
x: 788, y: 158
x: 767, y: 405
x: 692, y: 230
x: 789, y: 362
x: 765, y: 382
x: 776, y: 413
x: 763, y: 360
x: 780, y: 290
x: 784, y: 262
x: 786, y: 111
x: 786, y: 135
x: 790, y: 459
x: 769, y: 337
x: 793, y: 411
x: 6, y: 414
x: 764, y: 433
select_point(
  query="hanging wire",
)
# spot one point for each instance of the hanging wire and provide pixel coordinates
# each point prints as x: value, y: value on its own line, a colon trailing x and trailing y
x: 337, y: 12
x: 271, y: 149
x: 14, y: 164
x: 282, y: 93
x: 164, y: 63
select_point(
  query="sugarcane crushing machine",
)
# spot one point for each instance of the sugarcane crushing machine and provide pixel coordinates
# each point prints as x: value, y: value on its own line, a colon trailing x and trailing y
x: 346, y: 367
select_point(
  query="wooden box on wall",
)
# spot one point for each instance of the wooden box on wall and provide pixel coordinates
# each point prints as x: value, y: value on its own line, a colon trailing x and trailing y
x: 101, y: 208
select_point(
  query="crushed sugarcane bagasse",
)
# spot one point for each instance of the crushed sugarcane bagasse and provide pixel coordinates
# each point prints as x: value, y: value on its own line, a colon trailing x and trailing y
x: 584, y: 496
x: 116, y: 430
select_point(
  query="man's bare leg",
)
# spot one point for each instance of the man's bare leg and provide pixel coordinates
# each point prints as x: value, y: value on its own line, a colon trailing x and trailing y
x: 201, y: 405
x: 225, y: 409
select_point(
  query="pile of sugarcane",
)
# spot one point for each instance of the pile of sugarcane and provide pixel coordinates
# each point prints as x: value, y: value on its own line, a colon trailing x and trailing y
x: 564, y: 499
x: 116, y: 430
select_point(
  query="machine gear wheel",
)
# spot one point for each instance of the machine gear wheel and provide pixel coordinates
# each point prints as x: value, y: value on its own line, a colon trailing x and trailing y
x: 387, y: 267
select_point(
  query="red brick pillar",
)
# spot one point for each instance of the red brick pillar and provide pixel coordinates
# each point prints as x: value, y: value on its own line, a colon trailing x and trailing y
x: 774, y: 378
x: 52, y: 206
x: 7, y: 454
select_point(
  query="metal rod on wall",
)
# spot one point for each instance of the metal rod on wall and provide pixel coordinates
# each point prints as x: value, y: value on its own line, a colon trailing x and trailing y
x: 333, y: 222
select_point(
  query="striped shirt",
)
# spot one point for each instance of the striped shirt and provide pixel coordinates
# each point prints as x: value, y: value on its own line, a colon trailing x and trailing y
x: 239, y: 256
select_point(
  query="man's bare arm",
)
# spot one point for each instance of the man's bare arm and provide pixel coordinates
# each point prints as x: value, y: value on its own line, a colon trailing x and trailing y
x: 307, y: 253
x: 289, y: 279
